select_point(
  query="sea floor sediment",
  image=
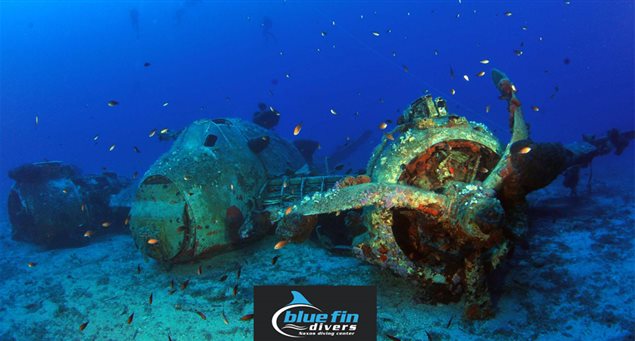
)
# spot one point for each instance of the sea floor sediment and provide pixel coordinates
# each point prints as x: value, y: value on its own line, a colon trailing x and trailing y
x: 573, y: 279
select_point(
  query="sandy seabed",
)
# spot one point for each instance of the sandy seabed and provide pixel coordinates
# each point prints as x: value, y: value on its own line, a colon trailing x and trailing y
x: 574, y: 280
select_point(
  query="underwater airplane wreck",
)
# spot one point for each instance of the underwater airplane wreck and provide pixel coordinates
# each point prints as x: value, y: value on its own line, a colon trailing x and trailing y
x: 442, y: 202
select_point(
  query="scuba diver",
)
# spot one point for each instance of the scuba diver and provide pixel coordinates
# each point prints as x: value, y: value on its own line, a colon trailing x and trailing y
x: 134, y: 21
x: 266, y: 29
x: 266, y: 116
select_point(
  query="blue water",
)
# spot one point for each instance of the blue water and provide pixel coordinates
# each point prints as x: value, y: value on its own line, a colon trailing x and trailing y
x: 62, y: 61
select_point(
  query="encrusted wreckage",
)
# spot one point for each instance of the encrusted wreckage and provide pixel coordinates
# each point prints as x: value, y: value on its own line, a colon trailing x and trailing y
x: 442, y: 201
x: 53, y: 205
x: 202, y: 196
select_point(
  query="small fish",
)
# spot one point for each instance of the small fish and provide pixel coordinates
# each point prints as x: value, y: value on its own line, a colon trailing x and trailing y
x: 484, y: 61
x: 136, y: 149
x: 113, y: 103
x: 31, y: 264
x: 201, y: 315
x: 487, y: 107
x: 389, y: 136
x: 508, y: 14
x: 514, y: 88
x: 376, y: 34
x: 450, y: 322
x: 405, y: 68
x: 95, y: 138
x: 130, y: 318
x: 467, y: 79
x: 535, y: 108
x: 184, y: 284
x: 274, y: 260
x: 165, y: 104
x: 451, y: 72
x: 106, y: 224
x: 323, y: 33
x: 83, y: 326
x: 525, y: 150
x: 152, y: 133
x: 111, y: 148
x: 429, y: 336
x: 126, y: 221
x: 164, y: 130
x: 297, y: 129
x: 171, y: 284
x: 333, y: 112
x: 199, y: 271
x: 480, y: 74
x: 235, y: 290
x: 524, y: 28
x: 146, y: 64
x: 150, y: 299
x: 37, y: 120
x: 238, y: 272
x: 383, y: 125
x: 65, y: 191
x: 452, y: 91
x: 247, y: 317
x: 279, y: 245
x: 518, y: 52
x: 484, y: 170
x: 223, y: 278
x: 88, y: 233
x: 339, y: 167
x: 288, y: 210
x: 171, y: 291
x: 83, y: 207
x: 138, y: 268
x: 393, y: 338
x: 222, y: 315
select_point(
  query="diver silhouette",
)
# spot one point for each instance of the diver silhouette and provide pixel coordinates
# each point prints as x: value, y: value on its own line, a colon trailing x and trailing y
x: 134, y: 21
x: 266, y: 29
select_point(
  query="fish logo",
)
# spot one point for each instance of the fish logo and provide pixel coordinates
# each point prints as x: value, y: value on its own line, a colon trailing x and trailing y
x: 298, y: 301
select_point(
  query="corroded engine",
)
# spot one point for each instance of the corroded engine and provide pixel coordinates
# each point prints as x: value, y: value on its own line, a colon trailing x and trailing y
x: 442, y: 201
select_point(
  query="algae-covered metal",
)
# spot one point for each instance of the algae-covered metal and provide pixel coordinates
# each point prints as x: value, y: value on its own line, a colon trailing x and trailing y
x: 427, y: 217
x: 52, y: 204
x: 442, y: 201
x: 202, y: 196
